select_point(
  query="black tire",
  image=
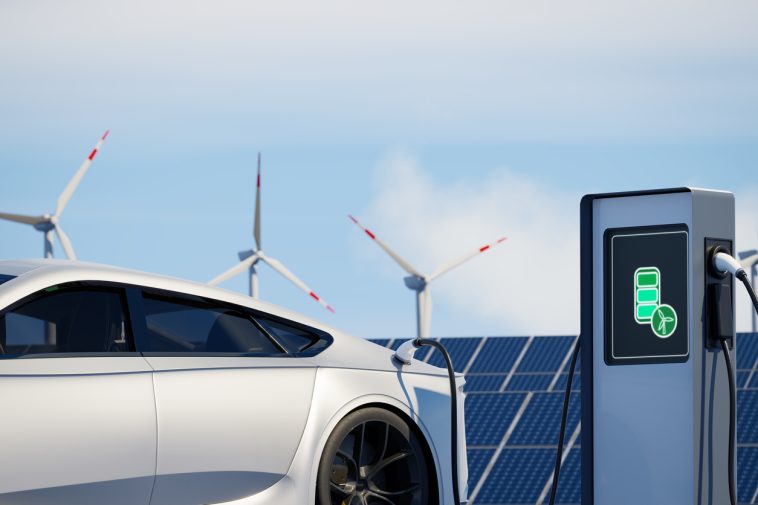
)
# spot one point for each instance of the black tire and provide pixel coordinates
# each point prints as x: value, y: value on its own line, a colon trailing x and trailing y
x: 373, y: 457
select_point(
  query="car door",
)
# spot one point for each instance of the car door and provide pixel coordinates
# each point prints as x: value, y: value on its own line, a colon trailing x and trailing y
x: 231, y: 402
x: 78, y: 410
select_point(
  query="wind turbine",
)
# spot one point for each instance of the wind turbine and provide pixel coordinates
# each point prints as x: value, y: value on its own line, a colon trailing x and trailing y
x: 249, y: 259
x: 749, y: 260
x: 419, y: 282
x: 49, y: 223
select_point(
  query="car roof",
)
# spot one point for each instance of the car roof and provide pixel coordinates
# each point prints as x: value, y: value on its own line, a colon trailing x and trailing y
x: 57, y: 271
x: 32, y: 275
x: 18, y: 267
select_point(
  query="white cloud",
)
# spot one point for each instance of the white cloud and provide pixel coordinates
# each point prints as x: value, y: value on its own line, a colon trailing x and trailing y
x: 529, y: 284
x: 346, y: 27
x: 427, y: 70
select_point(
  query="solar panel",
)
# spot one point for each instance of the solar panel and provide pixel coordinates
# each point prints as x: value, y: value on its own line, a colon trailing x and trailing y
x: 747, y: 416
x: 747, y: 473
x: 570, y: 480
x: 546, y: 354
x: 525, y: 464
x: 518, y: 476
x: 460, y: 350
x: 488, y: 416
x: 484, y: 383
x: 542, y: 418
x: 477, y: 462
x: 753, y: 380
x: 530, y: 382
x: 746, y: 346
x: 742, y: 377
x: 498, y: 355
x: 382, y: 341
x: 576, y: 385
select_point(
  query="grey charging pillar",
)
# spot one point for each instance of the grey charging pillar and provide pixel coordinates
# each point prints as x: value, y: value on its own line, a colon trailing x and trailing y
x: 655, y: 396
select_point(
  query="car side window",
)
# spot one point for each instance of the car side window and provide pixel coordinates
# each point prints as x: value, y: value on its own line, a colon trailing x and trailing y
x: 187, y: 325
x: 70, y: 319
x: 293, y: 338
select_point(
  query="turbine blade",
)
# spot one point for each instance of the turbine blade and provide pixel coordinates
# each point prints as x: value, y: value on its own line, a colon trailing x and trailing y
x: 458, y: 261
x: 236, y: 269
x: 65, y: 242
x: 257, y: 226
x: 68, y: 191
x: 282, y: 270
x: 21, y: 218
x: 400, y: 261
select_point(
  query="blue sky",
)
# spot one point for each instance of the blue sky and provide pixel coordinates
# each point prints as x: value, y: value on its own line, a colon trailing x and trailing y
x: 440, y: 125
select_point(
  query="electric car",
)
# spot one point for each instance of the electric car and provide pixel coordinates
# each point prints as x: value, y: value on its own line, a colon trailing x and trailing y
x: 122, y: 387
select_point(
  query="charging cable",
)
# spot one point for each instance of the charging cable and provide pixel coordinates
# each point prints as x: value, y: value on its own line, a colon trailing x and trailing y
x: 404, y: 355
x: 564, y: 417
x: 732, y: 419
x: 724, y: 263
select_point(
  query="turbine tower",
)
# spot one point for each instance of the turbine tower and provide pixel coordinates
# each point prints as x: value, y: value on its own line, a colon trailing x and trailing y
x: 419, y: 282
x: 249, y: 259
x: 50, y: 223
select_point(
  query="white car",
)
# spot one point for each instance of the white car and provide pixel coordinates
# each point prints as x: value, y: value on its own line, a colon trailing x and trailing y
x: 120, y: 387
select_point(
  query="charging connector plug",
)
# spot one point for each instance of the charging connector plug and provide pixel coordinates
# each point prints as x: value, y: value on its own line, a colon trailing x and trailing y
x: 404, y: 353
x: 724, y: 263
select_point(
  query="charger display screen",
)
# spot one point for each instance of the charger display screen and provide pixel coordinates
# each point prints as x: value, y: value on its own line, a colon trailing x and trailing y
x: 646, y: 293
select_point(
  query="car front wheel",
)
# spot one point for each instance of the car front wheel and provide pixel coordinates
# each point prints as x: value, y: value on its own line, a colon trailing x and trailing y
x: 373, y: 457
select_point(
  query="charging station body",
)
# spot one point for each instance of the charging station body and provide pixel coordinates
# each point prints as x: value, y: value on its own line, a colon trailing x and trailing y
x: 655, y: 395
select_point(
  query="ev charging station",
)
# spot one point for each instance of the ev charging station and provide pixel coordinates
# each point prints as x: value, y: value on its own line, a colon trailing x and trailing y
x: 655, y: 390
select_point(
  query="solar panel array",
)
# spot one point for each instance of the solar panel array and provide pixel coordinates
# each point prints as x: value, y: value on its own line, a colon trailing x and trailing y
x: 515, y: 388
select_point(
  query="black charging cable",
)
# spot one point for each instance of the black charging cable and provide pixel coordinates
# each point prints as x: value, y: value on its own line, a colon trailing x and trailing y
x: 742, y: 276
x: 564, y: 418
x: 732, y: 419
x: 722, y: 263
x: 453, y: 410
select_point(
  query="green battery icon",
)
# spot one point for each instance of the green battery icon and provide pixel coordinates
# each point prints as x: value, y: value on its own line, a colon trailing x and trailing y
x: 647, y: 293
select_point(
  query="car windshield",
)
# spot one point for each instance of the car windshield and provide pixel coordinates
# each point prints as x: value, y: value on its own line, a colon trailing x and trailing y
x: 6, y: 278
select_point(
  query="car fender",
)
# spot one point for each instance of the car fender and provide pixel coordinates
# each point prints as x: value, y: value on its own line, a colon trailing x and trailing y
x: 414, y: 395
